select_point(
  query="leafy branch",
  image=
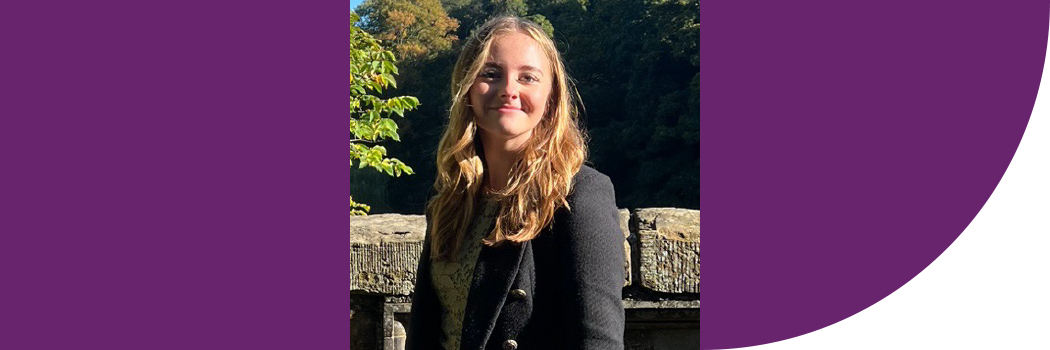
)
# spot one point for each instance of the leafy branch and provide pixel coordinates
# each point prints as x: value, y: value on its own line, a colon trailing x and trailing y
x: 372, y: 70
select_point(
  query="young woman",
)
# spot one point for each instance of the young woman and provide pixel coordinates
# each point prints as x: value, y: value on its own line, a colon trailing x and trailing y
x: 523, y: 247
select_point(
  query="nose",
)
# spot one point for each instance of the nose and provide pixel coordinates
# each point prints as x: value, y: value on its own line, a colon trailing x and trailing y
x: 509, y: 90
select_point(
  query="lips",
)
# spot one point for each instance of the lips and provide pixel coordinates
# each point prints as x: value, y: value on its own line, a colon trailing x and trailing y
x: 508, y: 108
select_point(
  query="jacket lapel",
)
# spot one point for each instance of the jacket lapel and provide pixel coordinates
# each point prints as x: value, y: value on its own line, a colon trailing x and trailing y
x: 493, y: 275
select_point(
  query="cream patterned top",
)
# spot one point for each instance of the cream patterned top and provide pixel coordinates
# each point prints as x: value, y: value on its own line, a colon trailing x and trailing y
x: 451, y: 280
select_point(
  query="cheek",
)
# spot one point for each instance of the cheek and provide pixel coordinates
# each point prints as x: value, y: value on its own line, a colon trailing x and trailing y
x: 473, y: 95
x: 539, y: 103
x: 476, y: 98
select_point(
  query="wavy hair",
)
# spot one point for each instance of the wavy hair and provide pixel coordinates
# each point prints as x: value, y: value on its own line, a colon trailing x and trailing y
x: 541, y: 177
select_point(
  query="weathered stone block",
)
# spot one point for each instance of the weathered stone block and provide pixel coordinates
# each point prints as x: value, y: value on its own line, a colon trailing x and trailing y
x: 625, y: 218
x: 395, y: 315
x: 384, y: 251
x: 669, y: 249
x: 387, y: 228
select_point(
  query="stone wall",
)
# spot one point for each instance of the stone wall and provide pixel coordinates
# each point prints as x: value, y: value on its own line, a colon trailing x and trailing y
x: 661, y: 246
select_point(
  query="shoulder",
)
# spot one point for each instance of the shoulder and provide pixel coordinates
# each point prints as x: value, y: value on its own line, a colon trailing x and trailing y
x: 588, y: 174
x: 592, y: 206
x: 589, y: 183
x: 587, y: 235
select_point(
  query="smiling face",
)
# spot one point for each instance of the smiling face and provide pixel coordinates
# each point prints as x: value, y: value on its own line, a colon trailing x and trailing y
x: 509, y: 96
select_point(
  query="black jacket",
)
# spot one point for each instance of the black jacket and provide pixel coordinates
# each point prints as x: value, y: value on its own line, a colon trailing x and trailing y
x: 561, y: 290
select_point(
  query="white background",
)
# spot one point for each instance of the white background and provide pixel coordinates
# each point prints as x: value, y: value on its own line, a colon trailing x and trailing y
x: 990, y: 289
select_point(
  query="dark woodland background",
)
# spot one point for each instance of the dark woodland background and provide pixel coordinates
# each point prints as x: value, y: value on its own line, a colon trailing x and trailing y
x: 635, y: 62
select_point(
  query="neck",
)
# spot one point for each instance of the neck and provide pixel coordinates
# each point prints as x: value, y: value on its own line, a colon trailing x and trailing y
x: 499, y: 157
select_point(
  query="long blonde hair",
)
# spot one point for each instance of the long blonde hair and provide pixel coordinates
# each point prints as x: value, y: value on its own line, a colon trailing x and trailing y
x: 539, y: 180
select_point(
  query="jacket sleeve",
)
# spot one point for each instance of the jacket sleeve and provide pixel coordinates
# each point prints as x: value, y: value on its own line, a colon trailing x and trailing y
x: 422, y: 330
x: 589, y: 243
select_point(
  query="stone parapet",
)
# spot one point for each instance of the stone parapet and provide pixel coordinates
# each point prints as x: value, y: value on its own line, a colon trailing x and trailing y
x: 384, y: 251
x: 668, y: 243
x: 661, y: 250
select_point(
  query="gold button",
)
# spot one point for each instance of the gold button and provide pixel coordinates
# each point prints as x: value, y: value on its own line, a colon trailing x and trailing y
x: 510, y: 344
x: 519, y: 294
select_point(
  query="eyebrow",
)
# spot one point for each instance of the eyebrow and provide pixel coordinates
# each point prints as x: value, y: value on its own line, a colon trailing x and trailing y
x: 526, y: 68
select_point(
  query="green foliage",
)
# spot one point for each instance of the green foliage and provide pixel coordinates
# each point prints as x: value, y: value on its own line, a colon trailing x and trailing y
x: 508, y: 7
x: 639, y: 81
x: 543, y: 22
x: 372, y: 69
x: 473, y: 13
x: 413, y: 28
x: 358, y: 209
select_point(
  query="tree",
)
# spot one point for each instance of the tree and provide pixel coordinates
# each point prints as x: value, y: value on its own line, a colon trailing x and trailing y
x: 372, y: 70
x: 414, y: 28
x: 473, y: 13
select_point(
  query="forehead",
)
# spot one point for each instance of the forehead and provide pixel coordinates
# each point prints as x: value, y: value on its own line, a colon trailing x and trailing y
x: 517, y: 50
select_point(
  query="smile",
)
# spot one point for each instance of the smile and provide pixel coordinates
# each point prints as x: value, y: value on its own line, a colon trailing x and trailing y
x: 508, y: 109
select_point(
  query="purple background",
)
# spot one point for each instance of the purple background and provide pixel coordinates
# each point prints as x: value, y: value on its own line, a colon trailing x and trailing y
x: 175, y: 175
